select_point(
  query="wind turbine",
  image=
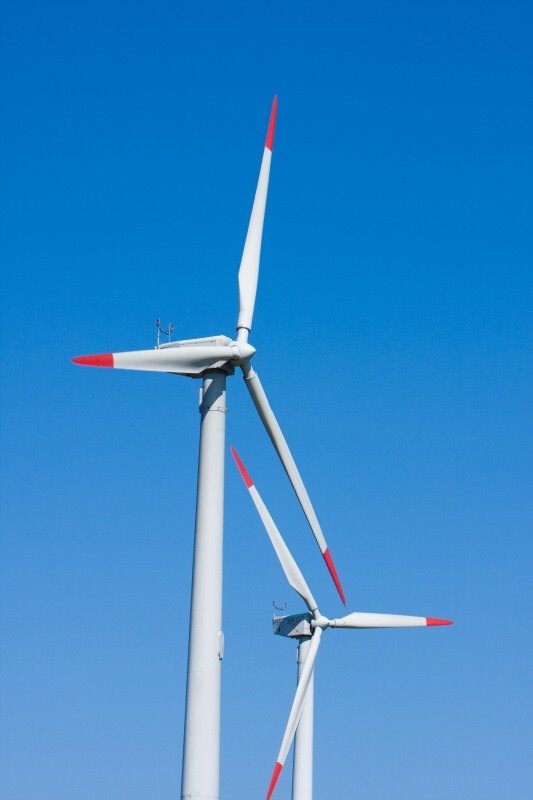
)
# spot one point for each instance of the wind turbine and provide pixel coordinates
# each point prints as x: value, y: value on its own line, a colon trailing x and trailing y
x: 214, y: 358
x: 311, y: 625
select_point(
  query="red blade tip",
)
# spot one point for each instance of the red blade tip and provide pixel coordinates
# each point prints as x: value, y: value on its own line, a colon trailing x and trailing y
x: 433, y: 621
x: 333, y: 572
x: 272, y: 125
x: 274, y: 779
x: 248, y: 481
x: 102, y: 360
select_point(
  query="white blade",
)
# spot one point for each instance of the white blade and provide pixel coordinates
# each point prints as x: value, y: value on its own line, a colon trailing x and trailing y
x: 270, y: 422
x: 249, y: 269
x: 289, y: 565
x: 296, y: 710
x: 360, y: 619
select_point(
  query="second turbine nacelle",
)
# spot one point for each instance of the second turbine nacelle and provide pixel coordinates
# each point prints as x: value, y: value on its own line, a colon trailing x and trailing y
x: 190, y: 357
x: 294, y: 625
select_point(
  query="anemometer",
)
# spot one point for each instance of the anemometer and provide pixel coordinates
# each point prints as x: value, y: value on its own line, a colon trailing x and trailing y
x: 160, y: 331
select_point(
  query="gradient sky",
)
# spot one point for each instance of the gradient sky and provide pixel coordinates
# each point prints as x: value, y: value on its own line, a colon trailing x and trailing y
x: 394, y: 335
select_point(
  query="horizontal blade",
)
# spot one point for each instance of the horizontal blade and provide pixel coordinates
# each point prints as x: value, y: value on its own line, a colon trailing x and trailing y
x: 270, y: 422
x: 179, y: 360
x: 249, y: 269
x: 297, y: 707
x: 289, y: 565
x: 360, y: 619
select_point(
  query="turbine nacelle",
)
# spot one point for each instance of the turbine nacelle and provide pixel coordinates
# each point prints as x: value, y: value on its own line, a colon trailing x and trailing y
x: 294, y: 626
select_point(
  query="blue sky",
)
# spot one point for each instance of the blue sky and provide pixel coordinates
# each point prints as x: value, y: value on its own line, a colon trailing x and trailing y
x: 394, y: 338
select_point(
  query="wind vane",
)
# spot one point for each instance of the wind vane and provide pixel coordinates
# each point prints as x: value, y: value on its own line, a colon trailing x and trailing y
x: 160, y: 331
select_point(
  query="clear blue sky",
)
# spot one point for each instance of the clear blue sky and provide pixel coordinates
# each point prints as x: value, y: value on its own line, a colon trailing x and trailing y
x: 394, y: 336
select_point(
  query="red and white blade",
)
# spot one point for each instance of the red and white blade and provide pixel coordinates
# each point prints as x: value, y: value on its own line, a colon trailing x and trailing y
x: 249, y: 269
x: 296, y: 710
x: 289, y: 565
x: 179, y: 360
x: 277, y: 438
x: 361, y: 619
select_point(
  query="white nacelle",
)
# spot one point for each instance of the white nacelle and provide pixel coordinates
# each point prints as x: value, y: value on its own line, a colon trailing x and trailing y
x: 294, y: 626
x: 206, y: 341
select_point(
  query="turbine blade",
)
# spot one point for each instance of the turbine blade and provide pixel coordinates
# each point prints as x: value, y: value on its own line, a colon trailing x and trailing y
x: 296, y: 710
x: 360, y: 619
x: 289, y: 565
x: 180, y: 360
x: 254, y: 386
x: 249, y: 269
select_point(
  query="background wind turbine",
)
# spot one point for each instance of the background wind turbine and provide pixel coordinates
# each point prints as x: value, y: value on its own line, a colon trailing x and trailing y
x: 213, y: 359
x: 311, y: 625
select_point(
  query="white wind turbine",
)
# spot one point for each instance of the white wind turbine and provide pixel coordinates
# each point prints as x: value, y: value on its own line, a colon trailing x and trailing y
x: 310, y: 626
x: 213, y: 359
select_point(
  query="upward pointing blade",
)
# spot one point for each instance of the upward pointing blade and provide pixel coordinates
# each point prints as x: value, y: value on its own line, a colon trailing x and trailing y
x: 270, y: 422
x: 249, y: 269
x: 296, y: 710
x: 289, y: 565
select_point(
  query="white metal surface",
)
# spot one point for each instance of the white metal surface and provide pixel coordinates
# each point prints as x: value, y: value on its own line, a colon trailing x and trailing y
x: 201, y: 742
x: 302, y: 770
x: 299, y: 697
